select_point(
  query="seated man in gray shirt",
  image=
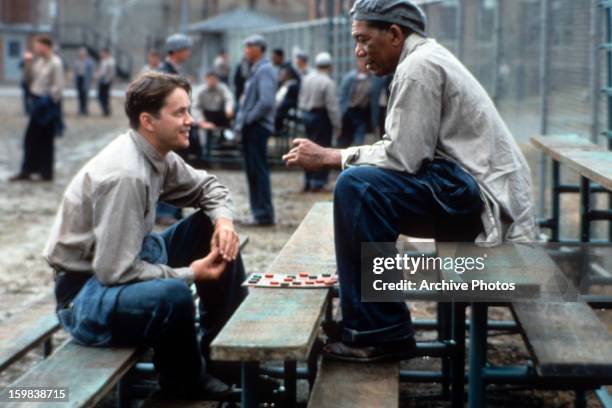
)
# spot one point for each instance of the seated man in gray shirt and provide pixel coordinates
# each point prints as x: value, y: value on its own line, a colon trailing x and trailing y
x: 447, y: 167
x: 120, y: 284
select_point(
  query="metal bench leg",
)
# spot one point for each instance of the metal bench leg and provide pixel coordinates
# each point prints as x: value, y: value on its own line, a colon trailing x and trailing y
x: 444, y: 333
x: 458, y: 359
x: 290, y: 383
x: 585, y: 205
x: 604, y: 397
x: 580, y: 401
x: 48, y: 347
x: 555, y: 201
x: 123, y: 398
x: 250, y: 371
x: 478, y: 355
x: 313, y: 362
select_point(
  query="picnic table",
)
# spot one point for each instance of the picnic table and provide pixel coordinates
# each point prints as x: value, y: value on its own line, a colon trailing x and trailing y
x: 282, y: 324
x: 571, y: 347
x: 594, y: 165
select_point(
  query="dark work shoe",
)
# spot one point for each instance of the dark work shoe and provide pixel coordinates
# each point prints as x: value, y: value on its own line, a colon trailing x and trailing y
x: 20, y: 177
x: 214, y: 388
x: 332, y: 330
x: 367, y: 354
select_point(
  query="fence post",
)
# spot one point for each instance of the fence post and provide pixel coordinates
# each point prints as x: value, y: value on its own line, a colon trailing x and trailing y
x: 595, y: 70
x: 460, y: 27
x: 330, y: 23
x: 544, y: 90
x: 498, y: 50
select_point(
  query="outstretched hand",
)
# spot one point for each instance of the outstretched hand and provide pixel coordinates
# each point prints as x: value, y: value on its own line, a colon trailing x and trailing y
x: 312, y: 157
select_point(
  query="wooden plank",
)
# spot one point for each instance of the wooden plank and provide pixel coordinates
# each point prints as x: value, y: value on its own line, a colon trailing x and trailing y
x: 353, y: 385
x: 586, y: 158
x: 89, y: 373
x: 550, y: 144
x: 594, y: 165
x: 566, y: 339
x: 27, y: 329
x: 529, y: 267
x: 277, y: 324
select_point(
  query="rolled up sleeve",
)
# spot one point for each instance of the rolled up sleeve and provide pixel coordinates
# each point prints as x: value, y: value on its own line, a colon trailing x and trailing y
x: 187, y: 187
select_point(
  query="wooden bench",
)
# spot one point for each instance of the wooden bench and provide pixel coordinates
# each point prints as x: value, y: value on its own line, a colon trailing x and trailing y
x: 28, y: 329
x: 89, y: 373
x: 566, y: 340
x: 350, y: 385
x: 281, y: 325
x: 571, y: 347
x: 592, y: 162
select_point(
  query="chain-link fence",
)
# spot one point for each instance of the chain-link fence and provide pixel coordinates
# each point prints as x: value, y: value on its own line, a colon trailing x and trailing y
x: 538, y: 59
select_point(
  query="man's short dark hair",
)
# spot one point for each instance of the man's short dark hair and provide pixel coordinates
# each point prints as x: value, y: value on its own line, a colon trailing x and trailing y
x: 385, y: 26
x: 148, y: 93
x: 45, y: 40
x: 279, y: 52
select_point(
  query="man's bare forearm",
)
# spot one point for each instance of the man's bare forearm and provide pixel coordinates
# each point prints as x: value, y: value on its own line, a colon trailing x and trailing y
x: 332, y: 159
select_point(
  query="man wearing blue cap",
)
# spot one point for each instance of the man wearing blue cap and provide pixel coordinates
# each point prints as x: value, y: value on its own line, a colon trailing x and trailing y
x: 255, y: 123
x: 447, y: 167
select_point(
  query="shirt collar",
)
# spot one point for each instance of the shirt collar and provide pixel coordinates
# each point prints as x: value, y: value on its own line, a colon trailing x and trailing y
x: 410, y: 44
x: 153, y: 156
x: 256, y: 65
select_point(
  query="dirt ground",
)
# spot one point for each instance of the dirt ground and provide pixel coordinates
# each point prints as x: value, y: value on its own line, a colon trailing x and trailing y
x: 27, y: 211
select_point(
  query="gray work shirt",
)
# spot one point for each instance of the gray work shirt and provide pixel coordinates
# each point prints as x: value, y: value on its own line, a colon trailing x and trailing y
x: 107, y: 70
x: 318, y: 91
x: 257, y: 104
x: 437, y: 108
x: 45, y: 76
x: 109, y: 208
x: 215, y: 99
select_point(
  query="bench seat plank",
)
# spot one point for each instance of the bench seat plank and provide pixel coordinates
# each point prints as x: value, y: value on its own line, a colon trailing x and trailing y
x: 588, y: 159
x: 508, y: 263
x: 353, y: 385
x: 566, y: 339
x: 89, y: 373
x: 281, y: 324
x: 27, y: 330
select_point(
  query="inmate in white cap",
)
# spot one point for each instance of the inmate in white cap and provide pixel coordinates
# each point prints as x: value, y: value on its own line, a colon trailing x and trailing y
x: 323, y: 59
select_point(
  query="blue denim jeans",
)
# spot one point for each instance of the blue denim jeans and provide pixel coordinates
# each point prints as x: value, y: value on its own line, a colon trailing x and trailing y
x: 159, y: 313
x: 376, y: 205
x: 319, y: 129
x: 255, y: 146
x: 168, y: 210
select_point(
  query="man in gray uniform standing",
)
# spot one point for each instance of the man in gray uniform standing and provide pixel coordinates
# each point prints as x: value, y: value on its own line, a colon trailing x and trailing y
x: 318, y: 103
x: 447, y: 167
x: 255, y: 122
x: 45, y: 78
